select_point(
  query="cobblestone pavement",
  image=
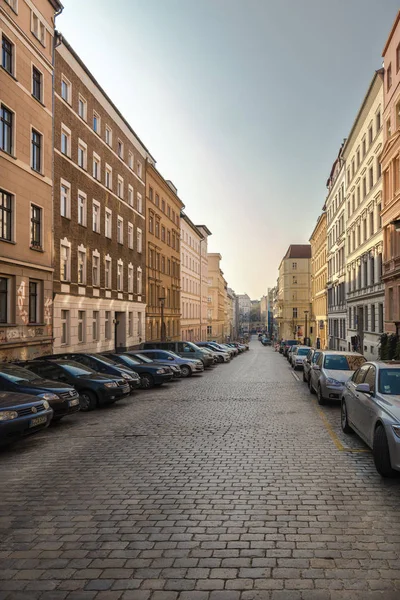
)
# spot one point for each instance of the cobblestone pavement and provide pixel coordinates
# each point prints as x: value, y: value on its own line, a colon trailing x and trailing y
x: 228, y: 486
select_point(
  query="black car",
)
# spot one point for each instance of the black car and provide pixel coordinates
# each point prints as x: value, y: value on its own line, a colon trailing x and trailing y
x: 101, y: 364
x: 150, y: 374
x: 22, y: 414
x: 93, y: 388
x: 146, y: 360
x: 63, y: 398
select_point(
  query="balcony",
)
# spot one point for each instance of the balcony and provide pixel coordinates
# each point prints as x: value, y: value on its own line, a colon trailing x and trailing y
x: 391, y: 268
x: 369, y: 290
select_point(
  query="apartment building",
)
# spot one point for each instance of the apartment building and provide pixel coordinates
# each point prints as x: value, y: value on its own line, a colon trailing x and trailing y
x: 26, y: 183
x: 191, y: 239
x: 335, y: 206
x: 163, y: 258
x: 390, y: 164
x: 364, y: 240
x: 216, y: 317
x: 294, y: 292
x: 99, y: 215
x: 205, y: 232
x: 319, y: 271
x: 244, y: 302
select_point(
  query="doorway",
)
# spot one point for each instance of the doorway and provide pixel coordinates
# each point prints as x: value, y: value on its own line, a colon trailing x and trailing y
x: 120, y: 331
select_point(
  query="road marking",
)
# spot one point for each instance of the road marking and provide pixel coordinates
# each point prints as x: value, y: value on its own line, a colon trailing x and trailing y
x: 295, y: 376
x: 333, y: 435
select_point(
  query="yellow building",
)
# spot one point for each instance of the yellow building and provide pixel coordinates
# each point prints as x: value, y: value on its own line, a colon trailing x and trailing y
x: 294, y: 293
x: 216, y: 314
x: 319, y: 273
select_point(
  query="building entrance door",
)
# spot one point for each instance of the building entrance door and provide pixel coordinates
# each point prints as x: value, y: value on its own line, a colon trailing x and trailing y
x: 120, y: 331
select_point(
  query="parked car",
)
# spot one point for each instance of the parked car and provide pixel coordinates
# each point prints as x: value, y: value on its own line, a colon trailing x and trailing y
x: 289, y: 354
x: 22, y: 414
x: 232, y: 351
x: 298, y: 356
x: 266, y: 341
x: 331, y: 371
x: 287, y: 345
x: 311, y: 358
x: 146, y: 360
x: 63, y: 398
x: 187, y: 366
x: 371, y: 408
x: 93, y: 388
x: 222, y: 354
x: 98, y: 362
x: 240, y: 347
x: 150, y: 374
x: 183, y: 349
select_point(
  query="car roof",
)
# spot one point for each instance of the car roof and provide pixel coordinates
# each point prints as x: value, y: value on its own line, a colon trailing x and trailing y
x: 387, y: 364
x: 59, y: 361
x: 342, y: 353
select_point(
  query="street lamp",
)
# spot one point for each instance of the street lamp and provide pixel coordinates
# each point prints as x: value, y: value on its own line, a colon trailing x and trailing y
x: 305, y: 327
x: 162, y: 301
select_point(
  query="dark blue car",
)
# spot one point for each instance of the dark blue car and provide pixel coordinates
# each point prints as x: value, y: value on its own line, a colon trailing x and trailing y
x: 22, y: 414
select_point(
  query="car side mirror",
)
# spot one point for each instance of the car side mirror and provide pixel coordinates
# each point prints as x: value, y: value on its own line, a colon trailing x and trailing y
x: 364, y: 388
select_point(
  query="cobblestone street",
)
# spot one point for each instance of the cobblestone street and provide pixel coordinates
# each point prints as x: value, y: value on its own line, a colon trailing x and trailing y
x: 233, y: 485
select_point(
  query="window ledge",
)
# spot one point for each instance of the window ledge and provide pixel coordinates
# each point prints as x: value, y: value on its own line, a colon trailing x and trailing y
x: 8, y: 153
x: 36, y: 249
x: 8, y: 325
x: 7, y: 241
x: 39, y: 173
x: 36, y: 324
x: 8, y: 73
x: 38, y: 100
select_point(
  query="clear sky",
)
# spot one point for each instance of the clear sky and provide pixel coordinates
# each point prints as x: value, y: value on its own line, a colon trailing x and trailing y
x: 243, y: 103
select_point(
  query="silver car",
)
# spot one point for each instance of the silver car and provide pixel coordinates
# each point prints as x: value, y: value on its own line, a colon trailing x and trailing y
x: 330, y: 373
x: 311, y: 359
x: 298, y: 356
x: 371, y: 408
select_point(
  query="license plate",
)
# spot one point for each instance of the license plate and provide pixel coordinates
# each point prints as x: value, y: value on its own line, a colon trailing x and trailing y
x: 74, y: 402
x: 38, y: 421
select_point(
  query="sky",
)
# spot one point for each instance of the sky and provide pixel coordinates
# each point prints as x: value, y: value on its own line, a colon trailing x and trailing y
x: 243, y: 104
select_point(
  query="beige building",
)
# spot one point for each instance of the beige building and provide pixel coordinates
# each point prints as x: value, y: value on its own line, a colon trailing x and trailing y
x: 364, y: 239
x: 294, y: 292
x: 216, y: 319
x: 191, y: 240
x: 319, y: 271
x: 26, y: 185
x: 205, y: 232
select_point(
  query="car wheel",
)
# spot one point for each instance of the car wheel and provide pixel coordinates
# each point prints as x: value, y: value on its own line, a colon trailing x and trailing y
x: 146, y: 381
x: 186, y: 371
x: 381, y: 453
x: 87, y: 400
x: 343, y: 419
x: 320, y: 398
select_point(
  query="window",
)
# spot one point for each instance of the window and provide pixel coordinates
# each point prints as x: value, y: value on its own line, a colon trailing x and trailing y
x: 96, y: 122
x: 108, y: 136
x: 398, y: 115
x: 157, y: 200
x: 139, y: 323
x: 295, y: 313
x: 120, y: 230
x: 13, y: 4
x: 378, y: 122
x: 370, y: 135
x: 130, y: 279
x: 38, y: 29
x: 163, y: 233
x: 34, y: 290
x: 65, y: 141
x: 294, y: 266
x: 107, y: 279
x: 82, y: 154
x: 130, y: 195
x: 380, y: 318
x: 7, y: 55
x: 95, y: 270
x: 107, y: 325
x: 398, y: 58
x: 65, y: 89
x: 388, y: 127
x: 6, y: 216
x: 64, y: 327
x: 96, y: 216
x: 81, y: 326
x: 6, y: 130
x: 82, y: 267
x: 82, y: 210
x: 120, y: 276
x: 294, y: 279
x: 364, y: 147
x: 36, y: 146
x: 4, y: 302
x: 95, y: 325
x: 372, y: 317
x: 139, y: 281
x: 389, y: 77
x: 120, y: 187
x: 371, y: 223
x: 96, y: 166
x: 130, y: 236
x: 139, y: 240
x: 130, y: 160
x: 139, y: 169
x: 120, y: 149
x: 151, y: 224
x: 108, y: 180
x: 371, y: 177
x: 65, y: 262
x: 82, y: 107
x: 36, y: 226
x: 36, y: 84
x: 108, y: 223
x: 139, y: 203
x: 130, y: 324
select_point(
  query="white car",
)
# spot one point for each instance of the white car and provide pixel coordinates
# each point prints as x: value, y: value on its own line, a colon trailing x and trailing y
x: 298, y: 356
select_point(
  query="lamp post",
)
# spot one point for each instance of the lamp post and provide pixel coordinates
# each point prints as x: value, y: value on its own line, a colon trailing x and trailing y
x: 162, y: 301
x: 305, y: 326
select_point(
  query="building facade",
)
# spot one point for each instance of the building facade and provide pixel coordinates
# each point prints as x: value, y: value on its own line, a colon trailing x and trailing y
x: 216, y: 299
x: 336, y: 234
x: 26, y: 179
x: 244, y: 313
x: 164, y: 207
x: 390, y: 165
x: 364, y: 240
x: 191, y: 239
x: 319, y: 272
x: 205, y: 232
x: 294, y: 293
x: 99, y: 216
x: 234, y: 313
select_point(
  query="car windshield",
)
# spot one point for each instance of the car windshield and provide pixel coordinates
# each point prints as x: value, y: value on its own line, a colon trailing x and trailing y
x: 17, y: 374
x: 173, y: 354
x: 291, y: 343
x: 342, y: 362
x: 77, y: 370
x: 129, y: 360
x: 389, y: 381
x: 315, y: 356
x: 103, y: 359
x: 302, y: 352
x: 142, y: 357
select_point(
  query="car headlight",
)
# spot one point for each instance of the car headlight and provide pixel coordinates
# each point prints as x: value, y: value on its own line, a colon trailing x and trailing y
x: 8, y: 415
x: 49, y: 396
x: 111, y: 384
x: 160, y: 371
x: 46, y: 404
x: 127, y: 376
x: 396, y: 429
x: 331, y: 381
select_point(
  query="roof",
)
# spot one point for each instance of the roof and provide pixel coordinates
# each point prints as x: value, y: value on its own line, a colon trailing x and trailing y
x: 192, y: 225
x: 298, y: 251
x: 205, y: 229
x: 396, y: 22
x: 58, y: 7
